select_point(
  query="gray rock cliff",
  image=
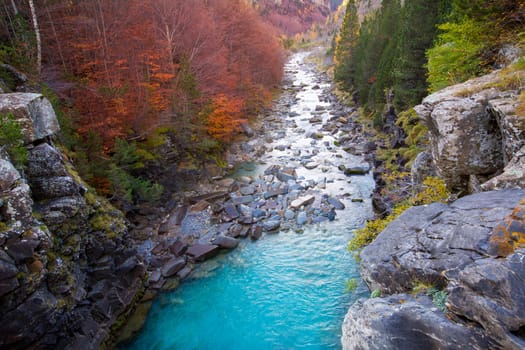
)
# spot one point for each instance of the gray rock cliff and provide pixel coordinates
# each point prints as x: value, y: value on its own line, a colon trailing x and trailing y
x: 67, y: 271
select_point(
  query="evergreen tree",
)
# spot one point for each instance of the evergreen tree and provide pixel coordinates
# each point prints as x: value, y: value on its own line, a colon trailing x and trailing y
x: 416, y: 34
x: 346, y: 42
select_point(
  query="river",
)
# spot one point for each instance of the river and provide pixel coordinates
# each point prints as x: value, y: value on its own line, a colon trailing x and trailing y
x: 286, y: 290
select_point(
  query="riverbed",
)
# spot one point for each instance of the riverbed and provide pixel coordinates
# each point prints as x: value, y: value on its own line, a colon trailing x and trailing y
x: 288, y: 290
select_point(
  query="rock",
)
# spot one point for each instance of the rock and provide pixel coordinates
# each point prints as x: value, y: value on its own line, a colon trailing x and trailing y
x: 311, y: 165
x: 22, y: 250
x: 302, y: 201
x: 57, y: 211
x: 509, y: 234
x: 32, y: 112
x: 241, y: 200
x: 11, y: 78
x: 45, y: 161
x: 285, y: 177
x: 200, y: 206
x: 336, y: 203
x: 474, y: 133
x: 512, y: 126
x: 231, y: 210
x: 178, y: 248
x: 427, y: 240
x: 226, y: 242
x: 247, y: 130
x: 491, y: 293
x: 201, y: 251
x: 8, y: 175
x: 54, y: 187
x: 422, y: 167
x: 247, y: 190
x: 256, y: 232
x: 8, y: 285
x: 513, y: 175
x: 173, y: 266
x: 302, y: 218
x: 403, y: 321
x: 271, y: 224
x: 357, y: 170
x: 274, y: 192
x: 289, y: 214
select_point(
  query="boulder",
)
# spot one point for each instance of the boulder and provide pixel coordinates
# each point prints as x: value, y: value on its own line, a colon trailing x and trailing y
x: 54, y: 187
x: 336, y: 203
x: 449, y: 247
x: 491, y: 293
x: 361, y: 169
x: 256, y: 232
x: 173, y: 266
x: 45, y: 161
x: 407, y: 322
x: 473, y: 129
x: 302, y: 218
x: 271, y: 224
x: 202, y: 251
x: 427, y: 240
x: 8, y: 175
x: 33, y: 112
x: 226, y: 242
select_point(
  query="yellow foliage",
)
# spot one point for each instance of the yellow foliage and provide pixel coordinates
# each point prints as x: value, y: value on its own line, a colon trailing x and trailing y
x: 433, y: 190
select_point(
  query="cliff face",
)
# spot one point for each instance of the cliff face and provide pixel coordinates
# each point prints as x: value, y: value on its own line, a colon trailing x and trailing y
x: 452, y: 274
x: 67, y: 272
x: 294, y: 16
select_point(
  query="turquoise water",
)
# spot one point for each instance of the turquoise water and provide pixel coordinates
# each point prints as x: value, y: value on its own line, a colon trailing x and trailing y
x: 286, y: 291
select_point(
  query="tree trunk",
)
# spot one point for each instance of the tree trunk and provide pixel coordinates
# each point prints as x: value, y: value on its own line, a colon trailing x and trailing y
x: 37, y: 35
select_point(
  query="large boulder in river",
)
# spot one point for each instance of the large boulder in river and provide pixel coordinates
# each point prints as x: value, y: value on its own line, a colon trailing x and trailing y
x: 33, y: 112
x: 473, y: 129
x: 461, y: 249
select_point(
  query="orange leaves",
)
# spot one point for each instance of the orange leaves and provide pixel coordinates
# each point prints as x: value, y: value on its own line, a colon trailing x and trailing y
x: 137, y: 61
x: 225, y: 120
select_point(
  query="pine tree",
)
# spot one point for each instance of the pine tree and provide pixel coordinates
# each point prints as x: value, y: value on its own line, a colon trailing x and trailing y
x: 346, y: 41
x: 416, y: 34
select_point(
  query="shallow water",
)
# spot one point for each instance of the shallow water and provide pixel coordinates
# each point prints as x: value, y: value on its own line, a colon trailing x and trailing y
x: 287, y: 290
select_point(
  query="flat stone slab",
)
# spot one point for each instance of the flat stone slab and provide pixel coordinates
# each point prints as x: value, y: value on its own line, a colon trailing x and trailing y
x: 301, y: 201
x: 202, y: 251
x: 173, y: 266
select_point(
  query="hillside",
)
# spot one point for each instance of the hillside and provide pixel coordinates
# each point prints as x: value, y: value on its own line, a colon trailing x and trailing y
x: 294, y: 16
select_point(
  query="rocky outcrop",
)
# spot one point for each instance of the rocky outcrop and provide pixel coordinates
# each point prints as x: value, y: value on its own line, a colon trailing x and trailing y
x: 461, y: 249
x: 474, y: 132
x: 32, y: 112
x: 67, y: 270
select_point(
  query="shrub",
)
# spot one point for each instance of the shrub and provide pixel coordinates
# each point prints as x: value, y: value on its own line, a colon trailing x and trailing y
x: 12, y: 139
x: 456, y: 56
x: 433, y: 190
